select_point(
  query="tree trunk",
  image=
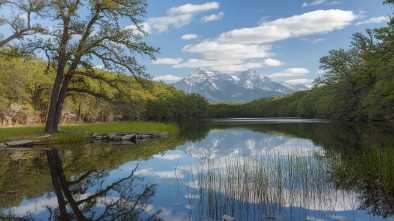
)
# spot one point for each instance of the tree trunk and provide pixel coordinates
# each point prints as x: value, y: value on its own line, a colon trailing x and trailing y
x: 50, y: 126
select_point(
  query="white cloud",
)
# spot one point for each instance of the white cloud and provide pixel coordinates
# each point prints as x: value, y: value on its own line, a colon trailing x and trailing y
x: 161, y: 24
x: 214, y: 50
x: 317, y: 2
x: 190, y: 8
x: 315, y: 22
x: 271, y: 62
x: 374, y: 20
x: 100, y: 67
x: 230, y: 69
x: 177, y: 17
x: 189, y: 37
x: 306, y: 82
x: 291, y: 72
x: 195, y: 63
x: 228, y: 66
x: 168, y: 156
x: 212, y: 17
x: 161, y: 174
x: 167, y: 61
x: 167, y: 78
x: 313, y: 41
x: 300, y: 81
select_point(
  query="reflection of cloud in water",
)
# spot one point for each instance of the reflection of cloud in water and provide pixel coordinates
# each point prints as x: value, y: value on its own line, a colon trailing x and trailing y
x: 168, y: 156
x: 160, y: 174
x: 36, y: 207
x: 168, y: 213
x: 220, y: 143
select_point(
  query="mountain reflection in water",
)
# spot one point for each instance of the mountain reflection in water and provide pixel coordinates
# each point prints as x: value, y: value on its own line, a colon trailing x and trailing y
x: 250, y: 169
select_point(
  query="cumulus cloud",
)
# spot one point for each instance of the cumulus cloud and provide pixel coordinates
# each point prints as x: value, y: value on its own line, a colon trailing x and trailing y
x: 374, y: 20
x: 161, y: 24
x: 271, y: 62
x: 240, y: 49
x: 214, y: 50
x: 212, y: 17
x: 307, y: 82
x: 190, y: 8
x: 291, y: 72
x: 167, y: 61
x: 315, y: 22
x: 177, y: 17
x: 317, y: 2
x: 161, y: 174
x: 189, y: 37
x: 167, y: 78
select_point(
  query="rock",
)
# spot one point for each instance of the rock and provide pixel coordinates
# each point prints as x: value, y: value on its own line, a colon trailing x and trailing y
x: 129, y: 137
x: 117, y: 138
x: 111, y: 136
x: 126, y: 137
x: 21, y: 143
x: 45, y: 136
x: 2, y: 146
x: 164, y: 134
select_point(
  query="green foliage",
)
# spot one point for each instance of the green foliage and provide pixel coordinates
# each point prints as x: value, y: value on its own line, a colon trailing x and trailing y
x: 97, y: 96
x: 169, y: 103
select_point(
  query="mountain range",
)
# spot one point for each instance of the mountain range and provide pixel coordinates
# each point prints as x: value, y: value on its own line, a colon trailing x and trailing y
x: 248, y: 86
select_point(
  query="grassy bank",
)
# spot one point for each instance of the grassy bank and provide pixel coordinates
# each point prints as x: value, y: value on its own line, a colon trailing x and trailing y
x: 72, y: 133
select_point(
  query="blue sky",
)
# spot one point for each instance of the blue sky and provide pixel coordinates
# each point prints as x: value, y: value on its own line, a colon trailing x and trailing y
x: 283, y: 39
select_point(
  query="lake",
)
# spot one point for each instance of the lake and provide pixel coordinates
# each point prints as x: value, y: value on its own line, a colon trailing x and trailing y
x: 249, y: 169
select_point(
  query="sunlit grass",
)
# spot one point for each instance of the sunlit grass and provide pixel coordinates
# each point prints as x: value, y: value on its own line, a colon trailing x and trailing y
x: 20, y: 133
x: 76, y: 133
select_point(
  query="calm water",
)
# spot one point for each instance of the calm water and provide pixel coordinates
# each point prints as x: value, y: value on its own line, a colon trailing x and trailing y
x: 250, y: 169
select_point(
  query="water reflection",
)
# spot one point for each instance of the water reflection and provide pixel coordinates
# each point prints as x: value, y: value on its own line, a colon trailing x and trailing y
x: 89, y: 196
x: 249, y: 169
x: 91, y: 199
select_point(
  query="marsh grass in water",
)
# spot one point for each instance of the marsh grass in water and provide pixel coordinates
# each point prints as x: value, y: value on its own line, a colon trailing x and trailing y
x: 276, y: 186
x: 76, y: 133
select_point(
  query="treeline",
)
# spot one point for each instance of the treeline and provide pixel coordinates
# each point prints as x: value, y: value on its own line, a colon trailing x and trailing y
x: 26, y: 83
x: 358, y: 84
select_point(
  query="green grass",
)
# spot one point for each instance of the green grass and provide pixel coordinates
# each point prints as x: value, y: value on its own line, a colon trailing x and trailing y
x: 75, y: 133
x: 20, y: 133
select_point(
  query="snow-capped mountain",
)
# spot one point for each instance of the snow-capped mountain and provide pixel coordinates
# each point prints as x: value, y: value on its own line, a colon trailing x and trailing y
x: 248, y: 86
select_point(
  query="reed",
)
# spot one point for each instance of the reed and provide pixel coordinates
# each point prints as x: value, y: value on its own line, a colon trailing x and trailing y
x: 274, y: 186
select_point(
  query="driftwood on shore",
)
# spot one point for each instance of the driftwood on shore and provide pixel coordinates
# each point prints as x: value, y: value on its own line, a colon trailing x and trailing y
x: 122, y: 138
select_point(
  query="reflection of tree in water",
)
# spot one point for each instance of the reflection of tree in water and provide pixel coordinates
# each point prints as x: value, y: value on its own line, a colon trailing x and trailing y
x: 124, y: 199
x: 370, y: 172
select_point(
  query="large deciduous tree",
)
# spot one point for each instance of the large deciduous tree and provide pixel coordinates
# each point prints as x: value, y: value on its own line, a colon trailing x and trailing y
x: 87, y: 30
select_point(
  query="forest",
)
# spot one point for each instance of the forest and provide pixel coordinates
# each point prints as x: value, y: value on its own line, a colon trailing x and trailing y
x: 25, y: 89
